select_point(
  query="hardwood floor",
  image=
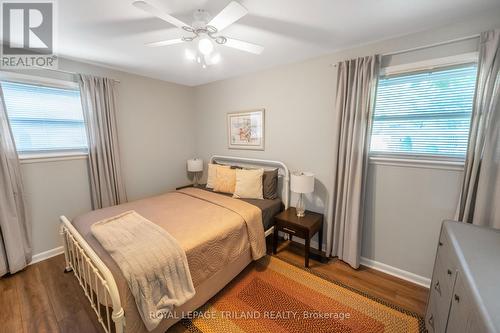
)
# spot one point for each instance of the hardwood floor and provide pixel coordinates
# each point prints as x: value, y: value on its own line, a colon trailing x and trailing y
x: 44, y: 299
x: 394, y: 290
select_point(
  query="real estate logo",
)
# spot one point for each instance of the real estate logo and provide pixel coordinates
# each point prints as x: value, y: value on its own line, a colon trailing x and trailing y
x: 27, y: 34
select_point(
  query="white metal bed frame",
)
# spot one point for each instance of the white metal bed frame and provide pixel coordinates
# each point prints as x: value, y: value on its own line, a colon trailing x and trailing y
x: 96, y: 279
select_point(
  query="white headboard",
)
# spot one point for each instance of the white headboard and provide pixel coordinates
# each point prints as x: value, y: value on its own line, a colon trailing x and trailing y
x: 283, y: 171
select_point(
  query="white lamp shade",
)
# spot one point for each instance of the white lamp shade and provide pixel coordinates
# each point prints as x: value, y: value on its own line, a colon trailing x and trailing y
x: 195, y: 165
x: 302, y: 182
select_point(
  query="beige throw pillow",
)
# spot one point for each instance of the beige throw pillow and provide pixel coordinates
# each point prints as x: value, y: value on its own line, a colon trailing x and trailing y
x: 249, y: 184
x: 225, y: 180
x: 212, y: 168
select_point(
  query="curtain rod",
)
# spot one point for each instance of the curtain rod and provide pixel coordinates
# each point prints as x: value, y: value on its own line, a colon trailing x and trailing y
x: 418, y: 48
x: 63, y: 71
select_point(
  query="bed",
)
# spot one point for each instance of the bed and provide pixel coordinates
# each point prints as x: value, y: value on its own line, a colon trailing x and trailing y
x: 215, y: 255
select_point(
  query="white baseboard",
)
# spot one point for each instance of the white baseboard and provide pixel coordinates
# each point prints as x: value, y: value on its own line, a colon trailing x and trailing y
x: 405, y: 275
x: 46, y: 255
x: 397, y: 272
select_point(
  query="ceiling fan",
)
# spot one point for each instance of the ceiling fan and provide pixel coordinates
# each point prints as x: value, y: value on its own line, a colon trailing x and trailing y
x: 206, y: 31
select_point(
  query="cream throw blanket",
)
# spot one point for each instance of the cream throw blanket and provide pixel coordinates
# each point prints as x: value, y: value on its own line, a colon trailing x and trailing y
x: 153, y: 263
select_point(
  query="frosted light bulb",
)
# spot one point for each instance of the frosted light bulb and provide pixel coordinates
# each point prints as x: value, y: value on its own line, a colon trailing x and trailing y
x: 205, y: 46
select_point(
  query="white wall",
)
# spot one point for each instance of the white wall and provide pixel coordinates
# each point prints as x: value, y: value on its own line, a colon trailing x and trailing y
x: 404, y: 209
x: 405, y: 205
x: 52, y: 189
x: 156, y: 138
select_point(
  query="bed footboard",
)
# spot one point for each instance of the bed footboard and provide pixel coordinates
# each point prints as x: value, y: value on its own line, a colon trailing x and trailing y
x: 94, y: 277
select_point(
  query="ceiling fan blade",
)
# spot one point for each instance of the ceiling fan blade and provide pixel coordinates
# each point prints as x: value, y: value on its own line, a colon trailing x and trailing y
x: 244, y: 46
x: 148, y: 8
x: 230, y: 14
x: 165, y: 42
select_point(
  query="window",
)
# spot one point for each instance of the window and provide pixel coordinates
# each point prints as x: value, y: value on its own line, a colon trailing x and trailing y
x: 45, y: 119
x: 424, y: 113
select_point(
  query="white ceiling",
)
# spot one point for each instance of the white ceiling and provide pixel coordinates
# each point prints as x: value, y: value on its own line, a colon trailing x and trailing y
x: 112, y: 32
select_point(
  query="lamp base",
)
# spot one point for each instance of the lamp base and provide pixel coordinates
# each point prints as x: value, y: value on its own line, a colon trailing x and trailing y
x: 195, y: 180
x: 301, y: 206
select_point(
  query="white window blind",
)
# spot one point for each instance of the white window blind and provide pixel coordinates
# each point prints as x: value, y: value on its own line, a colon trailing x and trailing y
x: 424, y: 113
x: 45, y: 119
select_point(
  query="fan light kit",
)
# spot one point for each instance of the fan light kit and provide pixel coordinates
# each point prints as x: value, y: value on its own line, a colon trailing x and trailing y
x: 203, y: 60
x: 207, y: 33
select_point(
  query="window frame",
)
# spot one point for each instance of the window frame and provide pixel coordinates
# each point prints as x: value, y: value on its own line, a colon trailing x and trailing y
x: 419, y: 160
x: 45, y: 155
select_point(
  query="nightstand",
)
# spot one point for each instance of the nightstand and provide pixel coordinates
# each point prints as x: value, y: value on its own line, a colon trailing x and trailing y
x: 303, y: 227
x: 190, y: 185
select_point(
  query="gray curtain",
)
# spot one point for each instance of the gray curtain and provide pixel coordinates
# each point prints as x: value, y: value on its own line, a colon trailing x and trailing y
x: 15, y: 227
x: 99, y: 109
x: 356, y: 84
x: 480, y: 196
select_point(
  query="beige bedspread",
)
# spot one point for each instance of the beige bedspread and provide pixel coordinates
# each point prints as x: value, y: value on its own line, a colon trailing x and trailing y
x: 212, y: 229
x: 250, y: 214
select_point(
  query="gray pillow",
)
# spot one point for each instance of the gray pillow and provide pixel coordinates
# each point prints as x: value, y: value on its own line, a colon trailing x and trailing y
x: 230, y: 165
x: 270, y: 184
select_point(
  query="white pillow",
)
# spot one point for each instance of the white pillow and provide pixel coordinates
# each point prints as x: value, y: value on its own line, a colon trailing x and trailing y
x: 248, y: 184
x: 211, y: 173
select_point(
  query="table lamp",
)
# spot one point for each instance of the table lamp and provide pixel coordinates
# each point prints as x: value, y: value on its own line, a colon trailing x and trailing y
x: 195, y: 165
x: 302, y: 182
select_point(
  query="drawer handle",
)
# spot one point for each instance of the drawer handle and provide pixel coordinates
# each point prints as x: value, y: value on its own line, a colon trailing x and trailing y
x: 449, y: 272
x: 440, y: 243
x: 438, y: 288
x: 457, y: 298
x: 289, y: 230
x: 431, y: 321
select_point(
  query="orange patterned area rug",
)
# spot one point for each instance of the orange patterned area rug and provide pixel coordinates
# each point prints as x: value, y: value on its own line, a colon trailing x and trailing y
x: 272, y: 295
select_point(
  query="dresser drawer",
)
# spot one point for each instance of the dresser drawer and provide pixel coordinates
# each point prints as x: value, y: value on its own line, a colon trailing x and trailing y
x: 433, y: 322
x: 444, y: 243
x: 446, y: 263
x: 460, y: 310
x: 456, y: 298
x: 441, y: 289
x: 445, y: 274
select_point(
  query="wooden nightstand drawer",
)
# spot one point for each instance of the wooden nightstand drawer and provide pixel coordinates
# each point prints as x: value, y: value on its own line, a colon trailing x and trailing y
x: 293, y: 231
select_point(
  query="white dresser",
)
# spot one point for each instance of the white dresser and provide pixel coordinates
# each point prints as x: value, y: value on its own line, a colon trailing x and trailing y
x: 465, y: 290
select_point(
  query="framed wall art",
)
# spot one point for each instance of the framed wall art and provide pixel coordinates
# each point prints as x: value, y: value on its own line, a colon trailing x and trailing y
x: 245, y: 130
